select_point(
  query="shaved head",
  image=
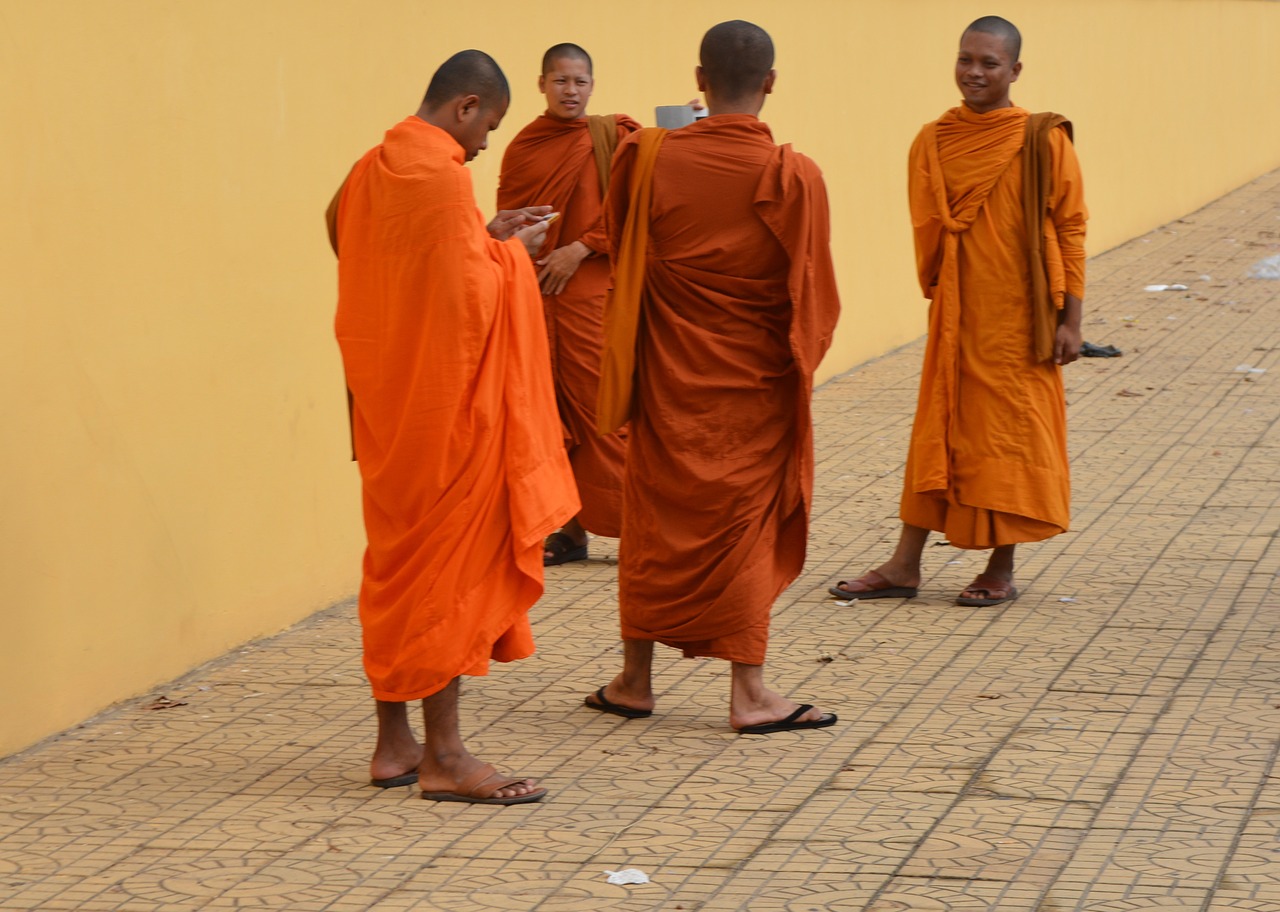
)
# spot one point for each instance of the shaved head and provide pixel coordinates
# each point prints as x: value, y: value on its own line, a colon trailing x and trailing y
x: 1003, y: 29
x: 736, y: 58
x: 468, y: 73
x: 561, y: 51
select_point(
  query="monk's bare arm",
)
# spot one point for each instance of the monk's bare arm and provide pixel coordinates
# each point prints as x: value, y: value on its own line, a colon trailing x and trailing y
x: 1069, y: 216
x: 331, y: 219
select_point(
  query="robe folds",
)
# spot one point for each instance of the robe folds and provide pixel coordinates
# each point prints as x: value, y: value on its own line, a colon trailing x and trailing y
x: 550, y: 162
x: 987, y: 464
x: 738, y: 307
x: 462, y: 466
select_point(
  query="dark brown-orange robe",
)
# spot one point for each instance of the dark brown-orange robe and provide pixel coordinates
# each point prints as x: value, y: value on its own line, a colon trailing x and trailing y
x: 550, y: 163
x: 462, y: 465
x: 738, y: 307
x: 988, y: 459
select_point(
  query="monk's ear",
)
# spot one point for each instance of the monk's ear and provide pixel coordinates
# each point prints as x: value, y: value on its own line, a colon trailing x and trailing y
x: 1017, y: 71
x: 542, y: 84
x: 466, y: 107
x: 702, y: 79
x: 769, y: 81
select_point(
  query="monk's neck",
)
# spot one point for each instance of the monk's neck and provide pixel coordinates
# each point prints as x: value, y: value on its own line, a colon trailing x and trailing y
x: 987, y: 109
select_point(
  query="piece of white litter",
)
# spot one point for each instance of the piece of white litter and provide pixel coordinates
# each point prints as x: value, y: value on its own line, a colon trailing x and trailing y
x: 628, y: 876
x: 1267, y: 269
x: 1066, y: 599
x: 1206, y: 278
x: 845, y: 603
x: 1249, y: 369
x: 955, y: 562
x: 1165, y: 288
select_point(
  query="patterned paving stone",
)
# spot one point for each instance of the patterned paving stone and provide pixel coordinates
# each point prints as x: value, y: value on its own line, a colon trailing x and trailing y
x: 1108, y: 742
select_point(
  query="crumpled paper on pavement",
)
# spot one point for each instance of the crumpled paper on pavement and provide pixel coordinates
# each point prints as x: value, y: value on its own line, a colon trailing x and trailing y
x: 628, y: 876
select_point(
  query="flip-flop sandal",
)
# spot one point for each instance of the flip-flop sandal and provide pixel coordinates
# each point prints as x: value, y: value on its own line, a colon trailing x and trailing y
x: 409, y: 778
x: 880, y: 588
x: 790, y: 723
x: 1010, y: 593
x: 468, y: 791
x: 608, y: 706
x: 563, y: 550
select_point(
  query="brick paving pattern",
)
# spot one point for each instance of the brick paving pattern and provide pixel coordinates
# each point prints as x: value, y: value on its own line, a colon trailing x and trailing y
x: 1107, y: 742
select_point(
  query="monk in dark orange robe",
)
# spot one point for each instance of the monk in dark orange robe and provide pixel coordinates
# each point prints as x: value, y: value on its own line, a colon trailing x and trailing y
x: 738, y: 306
x: 561, y: 159
x: 988, y: 460
x: 461, y: 462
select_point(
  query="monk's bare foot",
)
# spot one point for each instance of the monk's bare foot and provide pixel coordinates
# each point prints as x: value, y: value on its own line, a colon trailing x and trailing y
x: 988, y: 589
x: 467, y: 778
x: 564, y: 547
x: 396, y: 753
x: 633, y: 700
x: 767, y: 707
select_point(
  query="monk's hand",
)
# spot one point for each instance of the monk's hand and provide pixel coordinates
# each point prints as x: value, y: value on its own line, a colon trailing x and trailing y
x: 532, y: 236
x: 1067, y: 342
x: 508, y: 221
x: 1066, y: 345
x: 559, y: 265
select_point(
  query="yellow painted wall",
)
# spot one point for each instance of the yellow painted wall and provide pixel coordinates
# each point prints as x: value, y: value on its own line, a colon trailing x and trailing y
x: 174, y: 475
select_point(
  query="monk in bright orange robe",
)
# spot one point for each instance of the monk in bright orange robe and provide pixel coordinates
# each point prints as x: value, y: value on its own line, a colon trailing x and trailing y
x: 988, y: 459
x: 738, y: 306
x: 555, y: 161
x: 462, y: 466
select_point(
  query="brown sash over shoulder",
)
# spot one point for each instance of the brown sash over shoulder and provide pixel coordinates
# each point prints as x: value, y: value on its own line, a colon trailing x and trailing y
x: 604, y: 139
x: 1037, y: 176
x: 622, y: 307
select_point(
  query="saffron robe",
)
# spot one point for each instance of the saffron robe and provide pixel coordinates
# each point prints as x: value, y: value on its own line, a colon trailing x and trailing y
x: 988, y: 459
x: 550, y: 162
x: 462, y: 466
x: 738, y: 308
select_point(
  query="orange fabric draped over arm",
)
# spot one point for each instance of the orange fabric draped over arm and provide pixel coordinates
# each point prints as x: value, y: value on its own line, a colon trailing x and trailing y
x: 462, y: 467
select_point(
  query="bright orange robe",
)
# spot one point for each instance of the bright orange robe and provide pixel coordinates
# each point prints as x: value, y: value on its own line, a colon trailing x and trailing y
x: 738, y: 308
x: 460, y: 455
x: 550, y: 162
x: 988, y: 458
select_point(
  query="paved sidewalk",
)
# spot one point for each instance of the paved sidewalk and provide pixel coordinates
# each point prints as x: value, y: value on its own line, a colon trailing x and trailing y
x: 1107, y: 742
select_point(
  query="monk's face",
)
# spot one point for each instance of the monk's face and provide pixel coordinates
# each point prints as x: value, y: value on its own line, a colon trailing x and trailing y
x: 475, y: 123
x: 984, y: 71
x: 568, y: 86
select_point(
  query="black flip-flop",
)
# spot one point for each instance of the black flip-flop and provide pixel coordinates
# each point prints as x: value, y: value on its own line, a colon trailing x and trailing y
x: 563, y: 550
x: 409, y: 778
x: 986, y: 602
x: 902, y: 592
x: 608, y: 706
x: 1089, y: 350
x: 790, y: 723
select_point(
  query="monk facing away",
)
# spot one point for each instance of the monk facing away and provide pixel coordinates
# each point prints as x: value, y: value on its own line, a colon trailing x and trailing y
x: 737, y: 308
x: 462, y: 467
x: 998, y: 211
x: 561, y: 159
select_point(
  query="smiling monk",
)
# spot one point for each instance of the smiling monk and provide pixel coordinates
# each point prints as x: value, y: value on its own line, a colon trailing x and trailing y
x: 997, y: 205
x: 562, y: 160
x: 461, y: 463
x: 737, y: 305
